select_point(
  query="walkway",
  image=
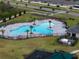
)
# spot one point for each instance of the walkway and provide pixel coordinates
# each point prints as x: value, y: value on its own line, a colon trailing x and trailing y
x: 74, y: 52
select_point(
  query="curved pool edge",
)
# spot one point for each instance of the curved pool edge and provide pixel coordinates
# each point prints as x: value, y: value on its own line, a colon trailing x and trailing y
x: 55, y: 33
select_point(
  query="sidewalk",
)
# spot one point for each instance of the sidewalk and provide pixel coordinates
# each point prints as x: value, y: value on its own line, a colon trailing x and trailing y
x: 74, y: 52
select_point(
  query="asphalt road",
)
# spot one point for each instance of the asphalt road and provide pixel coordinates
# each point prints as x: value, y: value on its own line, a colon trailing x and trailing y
x: 58, y: 2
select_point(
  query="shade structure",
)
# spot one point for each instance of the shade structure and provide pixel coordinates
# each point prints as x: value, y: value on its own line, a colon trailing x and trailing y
x: 37, y: 54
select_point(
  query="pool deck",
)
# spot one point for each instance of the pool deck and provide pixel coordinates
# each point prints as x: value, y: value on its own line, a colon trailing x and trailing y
x: 58, y: 29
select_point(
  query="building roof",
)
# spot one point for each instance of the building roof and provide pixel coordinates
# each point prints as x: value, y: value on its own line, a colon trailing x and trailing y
x: 47, y: 55
x: 61, y: 55
x: 39, y: 55
x: 74, y: 29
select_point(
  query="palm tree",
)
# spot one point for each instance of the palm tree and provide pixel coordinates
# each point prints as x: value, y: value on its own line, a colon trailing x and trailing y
x: 49, y: 23
x: 31, y: 27
x: 27, y: 33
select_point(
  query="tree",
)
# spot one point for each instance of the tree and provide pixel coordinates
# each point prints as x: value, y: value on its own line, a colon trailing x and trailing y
x: 16, y: 4
x: 29, y: 1
x: 34, y: 21
x: 5, y: 6
x: 40, y: 7
x: 53, y: 9
x: 20, y: 13
x: 45, y: 1
x: 31, y: 27
x: 27, y: 33
x: 26, y: 4
x: 71, y: 18
x: 4, y: 21
x: 70, y: 8
x: 50, y: 23
x: 24, y: 11
x: 48, y: 4
x: 58, y: 6
x: 2, y: 30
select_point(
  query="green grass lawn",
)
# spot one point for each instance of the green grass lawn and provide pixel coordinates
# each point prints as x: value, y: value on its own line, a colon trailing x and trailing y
x: 30, y: 17
x: 24, y: 18
x: 15, y: 49
x: 75, y: 10
x: 67, y: 18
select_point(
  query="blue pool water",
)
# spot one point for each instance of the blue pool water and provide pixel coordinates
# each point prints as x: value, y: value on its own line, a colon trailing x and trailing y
x: 42, y: 28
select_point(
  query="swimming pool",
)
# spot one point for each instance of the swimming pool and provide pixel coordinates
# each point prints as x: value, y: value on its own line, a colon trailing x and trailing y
x: 42, y: 28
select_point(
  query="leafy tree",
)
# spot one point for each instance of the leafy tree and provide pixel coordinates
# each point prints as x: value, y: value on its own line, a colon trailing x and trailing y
x: 58, y: 6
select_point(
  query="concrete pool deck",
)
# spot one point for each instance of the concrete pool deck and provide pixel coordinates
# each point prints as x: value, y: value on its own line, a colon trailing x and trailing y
x: 58, y: 29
